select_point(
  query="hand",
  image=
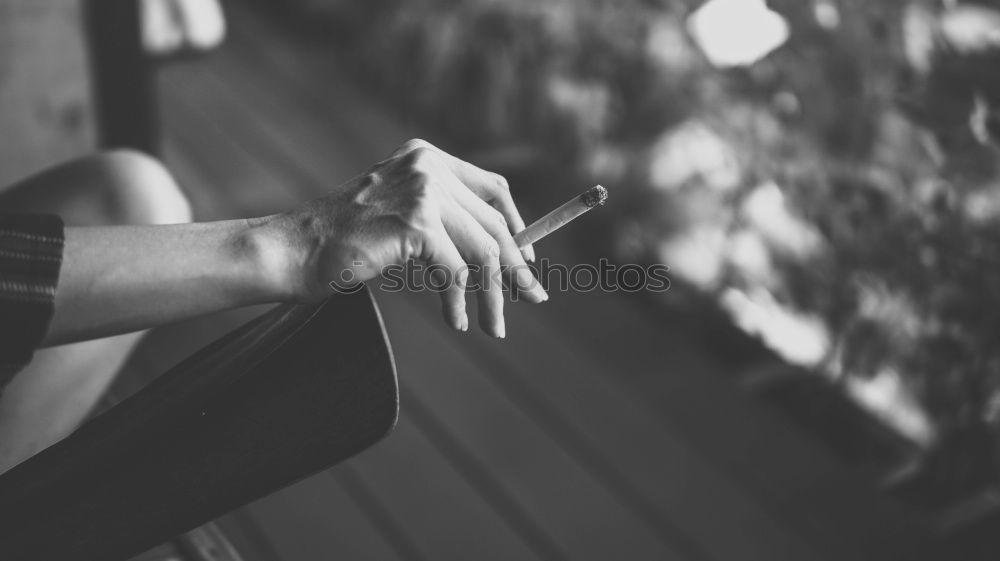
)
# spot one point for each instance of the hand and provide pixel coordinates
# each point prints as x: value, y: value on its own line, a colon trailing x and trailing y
x: 420, y: 204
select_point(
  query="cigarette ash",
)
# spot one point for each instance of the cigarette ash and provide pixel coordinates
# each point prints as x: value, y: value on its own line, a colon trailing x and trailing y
x: 594, y: 196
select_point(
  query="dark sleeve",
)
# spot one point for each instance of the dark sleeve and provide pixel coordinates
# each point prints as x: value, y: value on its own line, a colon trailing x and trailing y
x: 30, y: 258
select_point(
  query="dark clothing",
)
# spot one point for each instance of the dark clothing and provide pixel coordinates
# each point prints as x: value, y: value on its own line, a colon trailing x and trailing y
x: 31, y: 249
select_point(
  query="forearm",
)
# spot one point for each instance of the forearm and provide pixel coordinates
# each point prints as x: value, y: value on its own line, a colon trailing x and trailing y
x: 126, y: 278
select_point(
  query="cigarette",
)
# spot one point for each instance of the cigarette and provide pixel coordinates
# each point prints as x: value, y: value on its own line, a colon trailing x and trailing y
x: 593, y: 197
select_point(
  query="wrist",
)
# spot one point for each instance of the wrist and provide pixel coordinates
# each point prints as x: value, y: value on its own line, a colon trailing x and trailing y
x: 272, y: 257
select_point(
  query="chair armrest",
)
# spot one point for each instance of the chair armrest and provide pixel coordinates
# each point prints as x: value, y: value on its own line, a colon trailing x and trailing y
x: 288, y: 394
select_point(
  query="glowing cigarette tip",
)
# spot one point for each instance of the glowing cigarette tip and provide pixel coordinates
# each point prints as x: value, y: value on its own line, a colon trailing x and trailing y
x: 596, y: 195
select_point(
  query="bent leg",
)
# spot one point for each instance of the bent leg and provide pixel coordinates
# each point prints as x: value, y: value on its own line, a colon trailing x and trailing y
x: 53, y: 394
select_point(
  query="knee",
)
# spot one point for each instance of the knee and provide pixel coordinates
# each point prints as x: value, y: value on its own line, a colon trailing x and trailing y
x: 138, y: 189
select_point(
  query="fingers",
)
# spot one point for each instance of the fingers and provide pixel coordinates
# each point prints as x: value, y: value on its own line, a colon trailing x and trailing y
x: 493, y: 189
x: 488, y: 186
x: 482, y: 253
x: 511, y: 259
x: 440, y: 250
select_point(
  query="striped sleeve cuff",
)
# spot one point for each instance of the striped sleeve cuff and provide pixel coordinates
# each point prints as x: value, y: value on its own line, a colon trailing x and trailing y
x: 31, y: 249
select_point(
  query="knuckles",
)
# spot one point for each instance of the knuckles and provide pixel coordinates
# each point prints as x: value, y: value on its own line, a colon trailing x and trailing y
x: 413, y: 144
x: 416, y: 165
x: 370, y: 179
x: 501, y: 183
x: 461, y: 279
x: 418, y: 209
x: 500, y: 220
x: 490, y: 252
x: 421, y: 160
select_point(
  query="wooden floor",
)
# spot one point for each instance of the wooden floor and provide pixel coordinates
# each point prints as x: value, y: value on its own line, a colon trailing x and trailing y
x: 597, y: 430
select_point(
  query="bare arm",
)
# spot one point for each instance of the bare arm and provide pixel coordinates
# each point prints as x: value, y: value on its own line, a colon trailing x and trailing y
x: 419, y: 204
x: 119, y: 279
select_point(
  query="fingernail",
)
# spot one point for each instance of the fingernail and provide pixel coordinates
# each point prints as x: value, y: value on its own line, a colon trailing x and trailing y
x: 501, y: 329
x: 540, y: 294
x: 528, y: 252
x: 464, y: 323
x: 526, y: 281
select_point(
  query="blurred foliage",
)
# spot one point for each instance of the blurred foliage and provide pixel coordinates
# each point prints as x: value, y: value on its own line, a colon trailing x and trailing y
x: 850, y: 176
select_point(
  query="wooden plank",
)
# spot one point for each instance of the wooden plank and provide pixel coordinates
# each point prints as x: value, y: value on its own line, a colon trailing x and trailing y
x: 206, y: 543
x: 248, y: 184
x: 316, y: 518
x: 46, y: 110
x: 267, y: 121
x: 165, y: 552
x: 246, y: 534
x: 440, y: 512
x: 199, y: 91
x: 310, y: 76
x: 586, y: 520
x: 205, y: 197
